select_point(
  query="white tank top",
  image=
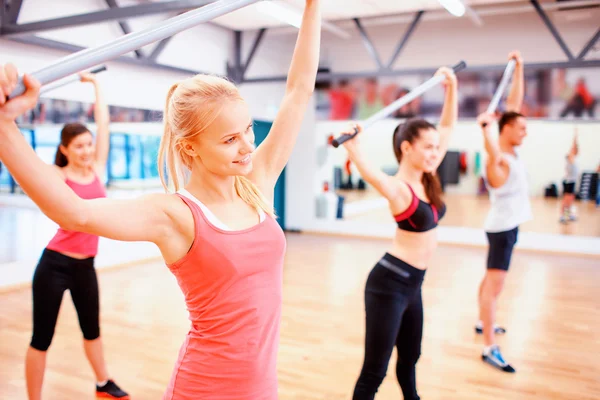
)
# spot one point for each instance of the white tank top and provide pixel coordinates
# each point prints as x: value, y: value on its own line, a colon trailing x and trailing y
x: 510, y: 203
x: 571, y: 171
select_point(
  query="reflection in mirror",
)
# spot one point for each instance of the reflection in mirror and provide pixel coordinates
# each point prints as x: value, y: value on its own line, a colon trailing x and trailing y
x: 546, y: 151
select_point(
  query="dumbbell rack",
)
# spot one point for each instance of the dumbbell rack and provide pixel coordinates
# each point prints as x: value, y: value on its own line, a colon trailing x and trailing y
x: 588, y: 186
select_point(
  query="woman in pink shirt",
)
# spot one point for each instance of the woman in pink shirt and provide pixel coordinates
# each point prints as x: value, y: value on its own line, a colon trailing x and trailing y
x: 217, y: 233
x: 67, y: 262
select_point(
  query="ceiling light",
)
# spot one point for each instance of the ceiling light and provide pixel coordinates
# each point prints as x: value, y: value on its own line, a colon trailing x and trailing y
x: 454, y: 7
x: 281, y: 13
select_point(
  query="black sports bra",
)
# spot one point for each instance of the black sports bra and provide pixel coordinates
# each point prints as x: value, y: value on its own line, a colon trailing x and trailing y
x: 419, y: 216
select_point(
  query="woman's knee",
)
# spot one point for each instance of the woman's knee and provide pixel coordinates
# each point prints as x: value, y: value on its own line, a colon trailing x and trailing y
x: 409, y: 356
x: 41, y: 341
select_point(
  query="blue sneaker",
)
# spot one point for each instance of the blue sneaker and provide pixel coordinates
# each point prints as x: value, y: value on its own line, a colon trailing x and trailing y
x: 494, y: 358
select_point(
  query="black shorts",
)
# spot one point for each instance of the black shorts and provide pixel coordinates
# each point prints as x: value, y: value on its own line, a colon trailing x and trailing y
x: 568, y: 187
x: 501, y: 246
x: 54, y: 274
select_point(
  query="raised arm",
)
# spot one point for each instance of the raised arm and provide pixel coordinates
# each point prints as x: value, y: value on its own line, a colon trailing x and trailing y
x: 514, y: 101
x: 574, y: 148
x: 496, y: 169
x: 144, y: 219
x: 386, y: 185
x: 102, y: 119
x: 449, y: 111
x: 273, y: 153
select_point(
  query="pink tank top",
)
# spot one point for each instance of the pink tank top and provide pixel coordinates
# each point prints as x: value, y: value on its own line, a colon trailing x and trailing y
x: 232, y: 284
x: 78, y: 242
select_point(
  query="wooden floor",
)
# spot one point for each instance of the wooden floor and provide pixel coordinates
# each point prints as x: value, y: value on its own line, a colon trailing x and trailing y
x: 470, y: 212
x: 550, y: 306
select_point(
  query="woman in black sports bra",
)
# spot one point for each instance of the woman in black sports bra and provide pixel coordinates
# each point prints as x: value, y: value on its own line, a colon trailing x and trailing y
x: 394, y: 310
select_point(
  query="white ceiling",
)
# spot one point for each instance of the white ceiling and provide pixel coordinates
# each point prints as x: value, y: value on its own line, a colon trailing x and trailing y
x: 332, y: 10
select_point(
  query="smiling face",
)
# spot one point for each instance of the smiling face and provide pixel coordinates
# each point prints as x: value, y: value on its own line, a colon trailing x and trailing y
x: 225, y: 147
x: 80, y: 150
x: 417, y: 143
x: 423, y: 151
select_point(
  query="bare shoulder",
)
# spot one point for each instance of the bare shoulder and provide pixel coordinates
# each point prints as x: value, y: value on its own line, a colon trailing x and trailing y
x: 401, y: 195
x: 171, y: 204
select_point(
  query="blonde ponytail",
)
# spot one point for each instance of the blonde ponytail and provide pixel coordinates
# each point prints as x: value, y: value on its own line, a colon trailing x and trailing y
x: 252, y: 195
x: 167, y: 153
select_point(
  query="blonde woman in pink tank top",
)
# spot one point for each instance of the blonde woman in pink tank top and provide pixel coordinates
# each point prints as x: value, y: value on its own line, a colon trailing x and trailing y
x: 218, y: 232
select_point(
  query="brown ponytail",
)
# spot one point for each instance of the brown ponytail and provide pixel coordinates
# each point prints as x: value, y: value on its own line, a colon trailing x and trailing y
x: 433, y: 189
x: 410, y: 131
x: 67, y: 134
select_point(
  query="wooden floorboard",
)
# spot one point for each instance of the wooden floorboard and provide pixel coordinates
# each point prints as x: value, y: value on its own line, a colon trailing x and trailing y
x: 550, y: 307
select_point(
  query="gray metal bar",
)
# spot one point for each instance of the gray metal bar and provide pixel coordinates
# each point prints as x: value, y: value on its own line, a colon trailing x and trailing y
x: 257, y: 41
x: 94, y: 56
x: 327, y: 77
x: 112, y: 14
x: 55, y: 45
x: 125, y: 27
x: 404, y: 40
x: 552, y: 28
x: 159, y: 48
x: 368, y: 44
x: 589, y: 45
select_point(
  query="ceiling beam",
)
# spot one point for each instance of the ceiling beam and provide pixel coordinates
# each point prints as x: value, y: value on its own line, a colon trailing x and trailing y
x: 328, y: 77
x: 125, y: 27
x: 589, y: 45
x: 404, y: 39
x: 552, y: 29
x: 368, y: 43
x: 14, y: 8
x: 112, y: 14
x: 257, y: 40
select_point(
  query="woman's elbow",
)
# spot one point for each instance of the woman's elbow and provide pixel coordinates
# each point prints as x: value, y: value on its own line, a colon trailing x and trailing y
x: 76, y: 219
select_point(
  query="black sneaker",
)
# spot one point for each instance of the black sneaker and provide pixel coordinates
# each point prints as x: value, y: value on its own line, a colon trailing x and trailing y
x: 110, y: 391
x: 498, y: 330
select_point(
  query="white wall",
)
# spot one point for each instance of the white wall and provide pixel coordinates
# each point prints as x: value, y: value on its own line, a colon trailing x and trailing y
x: 543, y: 150
x: 263, y: 99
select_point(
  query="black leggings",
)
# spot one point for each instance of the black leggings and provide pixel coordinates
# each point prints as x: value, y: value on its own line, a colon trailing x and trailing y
x: 394, y: 316
x: 54, y: 274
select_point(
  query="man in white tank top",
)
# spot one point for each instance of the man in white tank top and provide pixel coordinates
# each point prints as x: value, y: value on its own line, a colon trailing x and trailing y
x: 506, y: 179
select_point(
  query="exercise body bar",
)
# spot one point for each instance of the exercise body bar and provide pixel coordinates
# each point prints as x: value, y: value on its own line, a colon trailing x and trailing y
x: 508, y: 71
x: 71, y: 79
x: 96, y: 55
x: 402, y: 101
